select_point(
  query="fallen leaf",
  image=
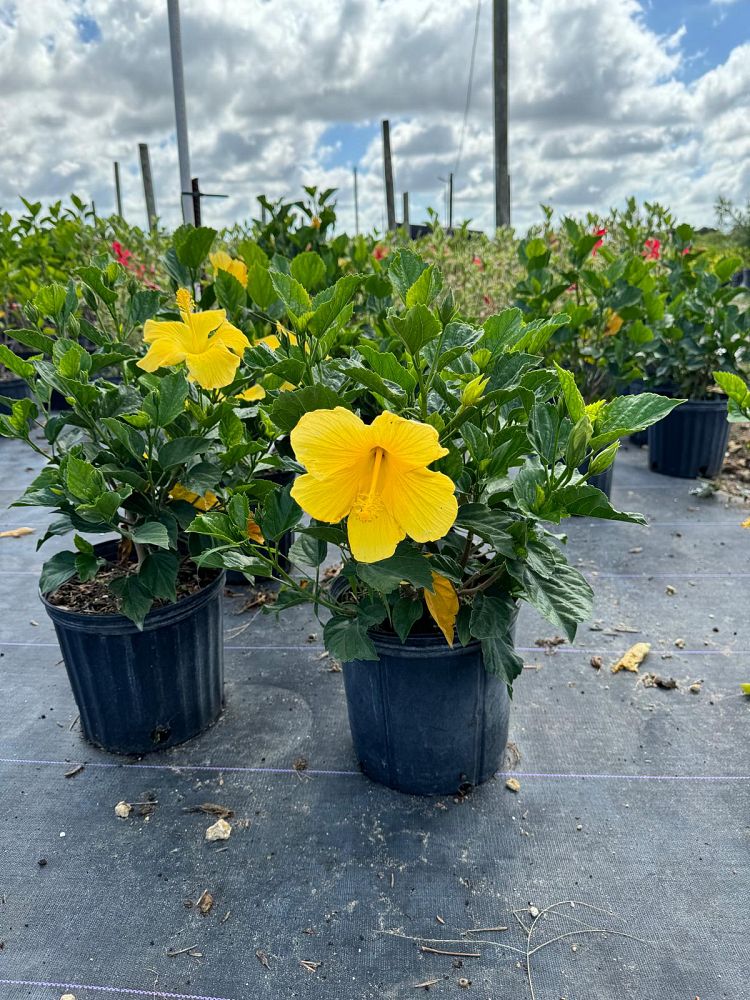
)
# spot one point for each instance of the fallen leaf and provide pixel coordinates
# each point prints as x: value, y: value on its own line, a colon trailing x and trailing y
x: 632, y: 659
x: 636, y: 550
x: 16, y: 532
x: 211, y: 808
x: 746, y: 523
x: 205, y: 902
x: 513, y: 784
x: 123, y: 809
x: 221, y: 830
x: 745, y: 688
x: 262, y: 958
x: 74, y: 771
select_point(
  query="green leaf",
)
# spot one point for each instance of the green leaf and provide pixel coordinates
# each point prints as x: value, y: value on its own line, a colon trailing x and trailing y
x: 628, y: 414
x: 280, y: 514
x: 737, y: 391
x: 491, y: 617
x: 416, y: 328
x: 404, y: 267
x: 251, y: 253
x: 308, y: 269
x: 308, y: 551
x: 572, y: 394
x: 584, y: 500
x: 407, y: 564
x: 329, y: 304
x: 57, y: 571
x: 130, y: 439
x: 142, y: 306
x: 134, y: 600
x: 260, y: 287
x: 229, y: 292
x: 289, y: 406
x: 151, y: 533
x: 387, y: 366
x: 347, y: 639
x: 50, y: 300
x: 294, y: 295
x: 181, y: 450
x: 158, y: 575
x: 87, y: 565
x: 96, y: 280
x: 565, y: 599
x: 83, y: 480
x: 192, y: 244
x: 170, y: 403
x: 425, y: 289
x: 543, y: 431
x: 406, y: 612
x: 502, y: 332
x: 725, y: 268
x: 501, y: 660
x: 489, y: 525
x: 15, y: 364
x: 34, y: 339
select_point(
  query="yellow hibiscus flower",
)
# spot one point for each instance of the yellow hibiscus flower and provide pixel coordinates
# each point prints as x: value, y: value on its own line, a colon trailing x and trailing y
x: 374, y: 475
x: 210, y: 347
x: 253, y: 394
x: 221, y: 261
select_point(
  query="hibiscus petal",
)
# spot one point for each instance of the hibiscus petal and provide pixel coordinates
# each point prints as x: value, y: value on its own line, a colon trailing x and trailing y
x: 204, y: 323
x: 375, y: 537
x: 155, y: 329
x: 423, y: 503
x: 163, y: 353
x: 328, y: 499
x: 442, y: 603
x: 214, y: 368
x: 231, y: 338
x: 329, y: 442
x: 408, y: 442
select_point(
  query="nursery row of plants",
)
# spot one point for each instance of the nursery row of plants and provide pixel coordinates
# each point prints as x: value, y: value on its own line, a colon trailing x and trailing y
x: 274, y: 400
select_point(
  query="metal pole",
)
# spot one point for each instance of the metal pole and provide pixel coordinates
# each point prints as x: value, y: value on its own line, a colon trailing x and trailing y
x: 148, y: 185
x: 500, y: 81
x: 118, y: 193
x: 450, y: 201
x: 388, y: 172
x: 195, y: 187
x: 356, y: 205
x: 180, y: 112
x: 407, y: 227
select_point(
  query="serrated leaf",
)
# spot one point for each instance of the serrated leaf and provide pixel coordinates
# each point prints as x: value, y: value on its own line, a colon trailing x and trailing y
x: 181, y: 450
x: 158, y: 574
x: 150, y: 533
x: 347, y: 639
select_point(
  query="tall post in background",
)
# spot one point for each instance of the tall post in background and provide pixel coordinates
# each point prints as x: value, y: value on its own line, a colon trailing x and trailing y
x: 148, y: 185
x: 195, y: 188
x: 180, y: 112
x: 450, y: 201
x: 500, y: 81
x: 118, y: 192
x: 356, y: 205
x: 406, y: 214
x: 390, y: 206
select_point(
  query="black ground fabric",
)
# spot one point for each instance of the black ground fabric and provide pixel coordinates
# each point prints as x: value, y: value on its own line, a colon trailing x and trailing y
x: 625, y: 852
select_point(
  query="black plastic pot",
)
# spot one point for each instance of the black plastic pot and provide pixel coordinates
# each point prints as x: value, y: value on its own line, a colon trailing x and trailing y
x: 139, y: 691
x: 691, y: 440
x: 237, y: 579
x: 13, y: 388
x: 426, y: 719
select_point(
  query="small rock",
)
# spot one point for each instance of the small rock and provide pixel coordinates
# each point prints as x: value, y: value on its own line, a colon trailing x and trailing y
x: 68, y: 996
x: 123, y: 809
x: 534, y: 912
x: 679, y: 643
x: 513, y: 784
x: 579, y: 827
x: 695, y: 688
x: 221, y: 830
x: 464, y: 983
x: 596, y: 662
x: 206, y: 902
x: 670, y: 590
x: 636, y: 550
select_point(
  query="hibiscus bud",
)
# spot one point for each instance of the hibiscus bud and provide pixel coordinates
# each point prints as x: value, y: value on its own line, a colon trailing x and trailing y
x: 474, y: 391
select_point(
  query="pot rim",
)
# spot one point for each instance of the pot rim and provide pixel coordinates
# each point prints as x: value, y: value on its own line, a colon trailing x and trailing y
x: 117, y: 624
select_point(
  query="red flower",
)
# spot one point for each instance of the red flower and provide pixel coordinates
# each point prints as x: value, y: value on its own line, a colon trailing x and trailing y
x: 686, y: 250
x: 600, y: 233
x: 651, y: 249
x: 478, y: 262
x: 122, y: 254
x: 487, y: 300
x: 380, y: 252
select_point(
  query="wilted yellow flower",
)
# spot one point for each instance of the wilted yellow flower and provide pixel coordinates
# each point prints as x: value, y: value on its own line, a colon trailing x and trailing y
x: 210, y: 347
x: 442, y: 603
x: 375, y: 475
x: 253, y: 531
x: 205, y: 502
x: 221, y: 261
x: 315, y: 222
x: 613, y: 323
x: 273, y: 341
x: 474, y: 390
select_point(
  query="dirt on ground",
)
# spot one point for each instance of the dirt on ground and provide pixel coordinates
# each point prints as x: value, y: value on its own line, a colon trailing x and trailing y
x: 735, y: 474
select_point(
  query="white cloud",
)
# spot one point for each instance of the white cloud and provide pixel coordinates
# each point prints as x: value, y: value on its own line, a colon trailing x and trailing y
x: 598, y: 107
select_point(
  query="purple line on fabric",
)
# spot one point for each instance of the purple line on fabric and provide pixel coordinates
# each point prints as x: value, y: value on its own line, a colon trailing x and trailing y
x: 350, y: 774
x: 107, y: 989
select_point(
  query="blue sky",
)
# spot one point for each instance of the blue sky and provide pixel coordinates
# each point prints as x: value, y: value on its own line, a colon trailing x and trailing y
x: 711, y: 29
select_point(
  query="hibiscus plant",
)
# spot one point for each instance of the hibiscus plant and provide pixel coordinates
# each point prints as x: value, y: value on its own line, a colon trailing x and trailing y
x: 432, y: 456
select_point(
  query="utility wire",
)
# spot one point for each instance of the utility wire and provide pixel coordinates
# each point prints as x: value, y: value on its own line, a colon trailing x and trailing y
x: 468, y: 88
